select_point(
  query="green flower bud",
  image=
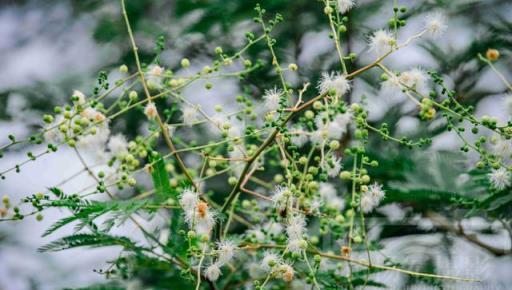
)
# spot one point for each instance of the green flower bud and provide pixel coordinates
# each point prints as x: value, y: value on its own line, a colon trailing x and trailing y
x: 185, y: 63
x: 123, y: 69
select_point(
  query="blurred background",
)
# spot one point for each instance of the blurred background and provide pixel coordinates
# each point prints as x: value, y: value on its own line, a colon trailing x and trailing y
x: 50, y: 48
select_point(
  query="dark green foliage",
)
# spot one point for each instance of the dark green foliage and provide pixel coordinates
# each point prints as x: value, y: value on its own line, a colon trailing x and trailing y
x: 88, y: 240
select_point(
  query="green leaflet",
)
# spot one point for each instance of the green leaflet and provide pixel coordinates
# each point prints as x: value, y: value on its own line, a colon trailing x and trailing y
x: 87, y: 211
x: 164, y: 191
x: 90, y: 240
x: 160, y: 178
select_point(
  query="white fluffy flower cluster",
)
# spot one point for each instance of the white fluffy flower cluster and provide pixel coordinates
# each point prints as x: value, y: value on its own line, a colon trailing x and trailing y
x: 414, y: 79
x: 371, y: 198
x: 295, y: 230
x: 334, y: 82
x: 225, y: 252
x: 282, y: 198
x: 93, y: 115
x: 272, y: 263
x: 80, y: 97
x: 330, y: 129
x: 382, y: 42
x: 190, y: 115
x: 154, y: 76
x: 272, y: 99
x: 500, y: 178
x: 435, y: 24
x: 345, y: 5
x: 150, y: 111
x: 330, y: 197
x: 117, y: 145
x: 197, y: 213
x: 332, y: 166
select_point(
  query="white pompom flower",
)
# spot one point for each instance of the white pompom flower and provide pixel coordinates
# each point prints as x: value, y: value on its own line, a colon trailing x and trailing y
x: 377, y: 192
x: 499, y: 178
x: 329, y: 195
x: 80, y: 97
x: 189, y: 199
x: 296, y: 227
x: 154, y: 76
x: 435, y: 24
x: 150, y: 111
x: 282, y: 197
x: 334, y: 82
x: 226, y: 251
x: 367, y: 202
x: 118, y: 145
x: 190, y: 115
x: 332, y: 166
x: 382, y: 42
x: 371, y: 198
x: 286, y: 272
x: 345, y: 5
x: 272, y: 99
x: 270, y: 260
x: 213, y: 272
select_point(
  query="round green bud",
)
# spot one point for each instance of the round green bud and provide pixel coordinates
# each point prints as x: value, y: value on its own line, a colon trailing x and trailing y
x: 335, y: 144
x: 185, y: 63
x: 278, y: 178
x: 207, y: 69
x: 357, y: 239
x: 123, y: 69
x: 356, y: 107
x: 48, y: 119
x: 246, y: 204
x: 293, y: 67
x: 349, y: 213
x: 309, y: 114
x: 170, y: 201
x: 313, y: 185
x: 232, y: 180
x: 131, y: 181
x: 346, y: 175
